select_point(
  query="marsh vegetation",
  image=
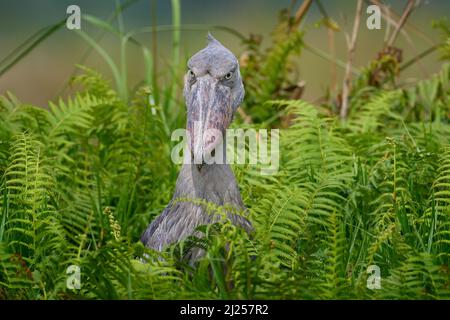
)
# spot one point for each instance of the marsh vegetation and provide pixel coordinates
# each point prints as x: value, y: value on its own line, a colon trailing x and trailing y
x: 81, y: 179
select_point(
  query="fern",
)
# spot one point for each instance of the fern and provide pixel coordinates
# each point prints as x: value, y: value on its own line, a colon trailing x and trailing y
x: 437, y: 214
x: 369, y: 191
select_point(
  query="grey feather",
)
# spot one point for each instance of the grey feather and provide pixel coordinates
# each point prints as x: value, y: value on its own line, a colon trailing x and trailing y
x: 211, y: 99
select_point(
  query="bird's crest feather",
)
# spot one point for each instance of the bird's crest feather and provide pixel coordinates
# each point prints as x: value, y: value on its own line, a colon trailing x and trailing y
x: 212, y: 40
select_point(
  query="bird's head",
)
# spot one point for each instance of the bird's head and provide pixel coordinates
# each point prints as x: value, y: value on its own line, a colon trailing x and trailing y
x: 213, y: 90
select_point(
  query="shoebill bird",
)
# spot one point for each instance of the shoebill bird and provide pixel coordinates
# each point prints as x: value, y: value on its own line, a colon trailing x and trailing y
x: 213, y: 90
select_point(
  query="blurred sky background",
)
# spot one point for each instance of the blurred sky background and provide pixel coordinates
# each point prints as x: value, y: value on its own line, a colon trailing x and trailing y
x: 41, y: 76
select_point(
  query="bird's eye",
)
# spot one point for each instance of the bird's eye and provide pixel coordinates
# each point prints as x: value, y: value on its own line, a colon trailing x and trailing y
x: 228, y: 76
x: 191, y: 73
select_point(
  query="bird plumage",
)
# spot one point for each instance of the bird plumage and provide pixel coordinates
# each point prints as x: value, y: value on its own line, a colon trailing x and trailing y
x: 213, y: 91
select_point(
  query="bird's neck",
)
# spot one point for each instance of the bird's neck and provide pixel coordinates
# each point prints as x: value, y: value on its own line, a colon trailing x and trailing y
x: 211, y: 182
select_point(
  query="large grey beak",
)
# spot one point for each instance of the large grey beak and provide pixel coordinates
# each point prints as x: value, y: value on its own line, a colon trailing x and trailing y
x: 210, y: 113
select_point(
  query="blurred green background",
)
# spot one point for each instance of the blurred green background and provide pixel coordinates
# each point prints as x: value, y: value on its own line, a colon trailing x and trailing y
x: 42, y: 75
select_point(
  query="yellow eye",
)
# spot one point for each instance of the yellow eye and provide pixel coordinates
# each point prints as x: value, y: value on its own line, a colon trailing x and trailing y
x: 191, y: 73
x: 228, y: 76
